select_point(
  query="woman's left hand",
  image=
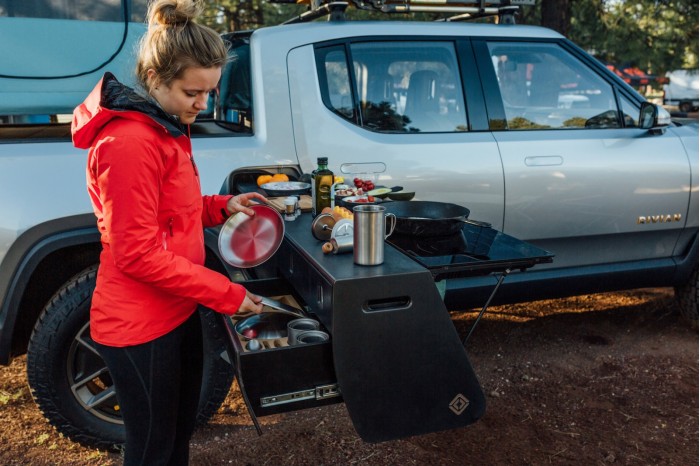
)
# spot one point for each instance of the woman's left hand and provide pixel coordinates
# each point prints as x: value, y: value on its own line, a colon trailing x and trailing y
x: 241, y: 202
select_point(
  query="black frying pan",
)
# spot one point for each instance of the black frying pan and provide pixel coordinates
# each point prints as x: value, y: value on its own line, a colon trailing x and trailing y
x: 427, y: 218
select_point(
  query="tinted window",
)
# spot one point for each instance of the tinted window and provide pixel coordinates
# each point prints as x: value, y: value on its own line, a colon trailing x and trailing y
x: 86, y: 10
x: 545, y: 87
x: 334, y: 71
x: 398, y: 86
x: 233, y: 103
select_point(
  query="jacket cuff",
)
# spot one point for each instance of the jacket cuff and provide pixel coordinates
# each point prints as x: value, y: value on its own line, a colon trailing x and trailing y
x: 220, y: 207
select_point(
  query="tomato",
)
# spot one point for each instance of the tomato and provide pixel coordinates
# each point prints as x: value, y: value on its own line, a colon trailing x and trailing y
x: 370, y: 198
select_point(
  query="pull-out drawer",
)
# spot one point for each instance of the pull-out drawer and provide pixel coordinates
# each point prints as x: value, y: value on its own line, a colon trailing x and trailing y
x: 278, y: 377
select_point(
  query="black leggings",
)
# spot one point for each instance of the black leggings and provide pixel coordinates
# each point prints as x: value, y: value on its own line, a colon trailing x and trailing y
x: 158, y: 385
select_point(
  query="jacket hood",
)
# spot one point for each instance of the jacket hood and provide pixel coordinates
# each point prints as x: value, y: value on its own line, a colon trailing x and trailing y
x: 111, y: 99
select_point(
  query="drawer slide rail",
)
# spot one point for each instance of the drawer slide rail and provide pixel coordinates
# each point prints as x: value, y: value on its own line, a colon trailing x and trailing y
x: 319, y: 393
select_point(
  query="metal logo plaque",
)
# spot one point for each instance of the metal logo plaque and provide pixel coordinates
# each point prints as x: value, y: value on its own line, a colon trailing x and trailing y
x: 458, y: 404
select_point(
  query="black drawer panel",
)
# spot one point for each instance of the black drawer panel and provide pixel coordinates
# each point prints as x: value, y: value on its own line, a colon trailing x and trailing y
x: 280, y: 378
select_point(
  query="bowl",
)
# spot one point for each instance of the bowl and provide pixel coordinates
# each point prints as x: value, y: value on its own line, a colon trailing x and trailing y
x: 285, y: 188
x: 351, y: 201
x: 401, y: 195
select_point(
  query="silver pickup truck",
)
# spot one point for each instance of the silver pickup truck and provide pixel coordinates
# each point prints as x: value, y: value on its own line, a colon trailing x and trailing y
x: 516, y: 123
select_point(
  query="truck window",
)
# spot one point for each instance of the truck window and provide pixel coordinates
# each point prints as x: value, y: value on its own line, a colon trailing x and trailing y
x: 42, y: 75
x: 233, y: 106
x: 545, y: 87
x: 84, y: 10
x: 398, y: 86
x: 44, y: 78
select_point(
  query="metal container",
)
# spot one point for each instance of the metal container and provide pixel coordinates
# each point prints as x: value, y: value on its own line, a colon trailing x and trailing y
x: 311, y: 336
x: 298, y: 326
x: 341, y: 236
x: 369, y: 233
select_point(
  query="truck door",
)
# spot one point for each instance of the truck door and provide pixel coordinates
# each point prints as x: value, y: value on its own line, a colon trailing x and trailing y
x: 581, y: 179
x: 394, y: 111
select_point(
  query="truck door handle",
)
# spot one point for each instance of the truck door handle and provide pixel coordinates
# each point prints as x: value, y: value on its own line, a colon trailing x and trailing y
x: 544, y: 160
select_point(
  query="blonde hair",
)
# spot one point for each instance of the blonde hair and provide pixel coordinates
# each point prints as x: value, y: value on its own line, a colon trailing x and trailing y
x: 175, y: 42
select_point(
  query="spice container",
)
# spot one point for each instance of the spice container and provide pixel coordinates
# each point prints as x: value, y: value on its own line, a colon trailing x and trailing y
x: 290, y: 206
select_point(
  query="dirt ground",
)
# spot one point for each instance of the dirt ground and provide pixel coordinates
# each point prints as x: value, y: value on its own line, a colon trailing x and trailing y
x: 593, y: 380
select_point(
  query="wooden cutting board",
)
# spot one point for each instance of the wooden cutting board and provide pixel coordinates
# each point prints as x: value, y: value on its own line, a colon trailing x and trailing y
x: 278, y: 203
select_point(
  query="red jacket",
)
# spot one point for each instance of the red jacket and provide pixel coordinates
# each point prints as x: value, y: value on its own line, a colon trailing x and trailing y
x: 145, y: 192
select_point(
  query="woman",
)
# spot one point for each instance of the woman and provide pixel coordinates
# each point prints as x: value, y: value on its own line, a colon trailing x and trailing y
x: 144, y: 187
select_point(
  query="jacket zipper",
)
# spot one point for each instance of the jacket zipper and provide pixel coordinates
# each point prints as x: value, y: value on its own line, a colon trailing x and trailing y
x: 170, y: 226
x: 194, y: 165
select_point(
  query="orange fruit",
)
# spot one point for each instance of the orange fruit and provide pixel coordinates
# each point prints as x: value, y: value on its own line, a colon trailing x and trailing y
x: 262, y: 179
x: 277, y: 177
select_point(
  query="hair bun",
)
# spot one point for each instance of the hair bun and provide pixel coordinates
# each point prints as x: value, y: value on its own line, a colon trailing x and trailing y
x: 173, y: 12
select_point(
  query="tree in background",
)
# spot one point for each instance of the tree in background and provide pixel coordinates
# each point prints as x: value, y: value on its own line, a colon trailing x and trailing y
x: 233, y: 15
x: 653, y: 35
x: 556, y: 14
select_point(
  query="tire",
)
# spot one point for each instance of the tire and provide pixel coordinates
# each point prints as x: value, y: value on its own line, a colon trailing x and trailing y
x: 70, y: 383
x: 685, y: 107
x: 687, y: 298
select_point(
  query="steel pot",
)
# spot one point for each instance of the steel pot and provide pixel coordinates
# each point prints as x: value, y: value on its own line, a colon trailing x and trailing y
x: 427, y: 218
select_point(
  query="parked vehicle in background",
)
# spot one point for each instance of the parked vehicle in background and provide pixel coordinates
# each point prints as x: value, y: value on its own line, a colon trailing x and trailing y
x: 682, y: 90
x: 516, y: 123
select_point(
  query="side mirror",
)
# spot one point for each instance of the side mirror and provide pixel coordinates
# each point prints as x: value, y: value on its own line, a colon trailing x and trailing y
x: 653, y: 117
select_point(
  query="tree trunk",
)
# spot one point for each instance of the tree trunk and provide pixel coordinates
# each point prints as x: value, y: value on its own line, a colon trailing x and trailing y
x: 556, y: 14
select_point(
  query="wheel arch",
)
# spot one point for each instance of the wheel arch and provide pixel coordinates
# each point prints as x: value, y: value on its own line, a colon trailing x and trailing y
x: 36, y: 265
x: 40, y: 261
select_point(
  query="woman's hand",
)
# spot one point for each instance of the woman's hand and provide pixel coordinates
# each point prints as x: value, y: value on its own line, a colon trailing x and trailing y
x: 251, y: 303
x: 241, y: 202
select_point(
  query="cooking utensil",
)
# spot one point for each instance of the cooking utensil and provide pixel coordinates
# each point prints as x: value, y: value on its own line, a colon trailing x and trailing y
x: 322, y: 227
x: 297, y: 326
x: 311, y: 336
x: 342, y: 236
x: 427, y: 218
x: 268, y: 326
x: 248, y: 241
x: 286, y: 188
x: 401, y: 195
x: 280, y: 307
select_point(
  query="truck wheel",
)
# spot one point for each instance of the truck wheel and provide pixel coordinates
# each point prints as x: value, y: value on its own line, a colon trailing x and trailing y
x: 685, y: 107
x: 70, y: 382
x: 687, y: 298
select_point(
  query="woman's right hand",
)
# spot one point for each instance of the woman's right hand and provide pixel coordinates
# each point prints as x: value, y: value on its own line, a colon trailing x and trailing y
x: 251, y: 303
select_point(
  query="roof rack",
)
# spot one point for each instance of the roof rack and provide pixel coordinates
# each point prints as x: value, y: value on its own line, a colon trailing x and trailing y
x: 464, y: 9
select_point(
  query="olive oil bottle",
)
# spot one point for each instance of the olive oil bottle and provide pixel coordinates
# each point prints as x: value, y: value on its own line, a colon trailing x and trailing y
x: 321, y: 184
